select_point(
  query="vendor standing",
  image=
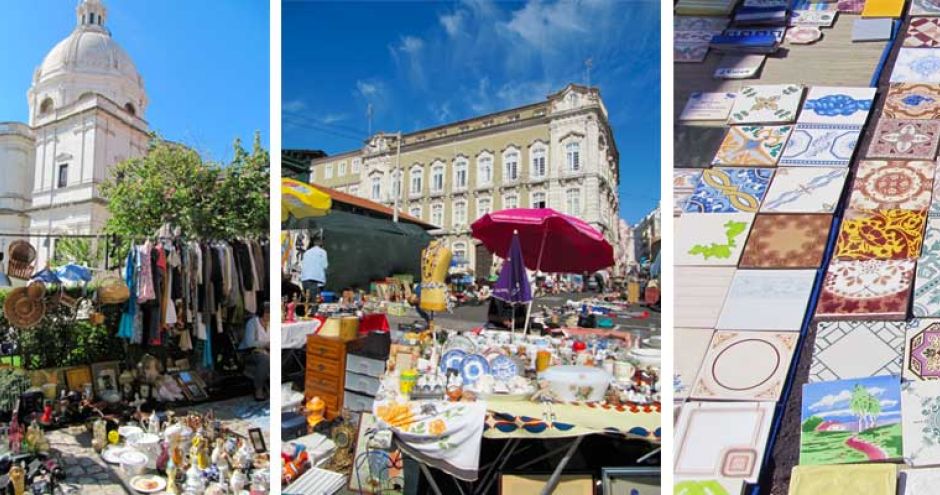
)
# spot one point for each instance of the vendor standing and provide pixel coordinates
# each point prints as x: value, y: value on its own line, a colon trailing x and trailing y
x: 313, y: 269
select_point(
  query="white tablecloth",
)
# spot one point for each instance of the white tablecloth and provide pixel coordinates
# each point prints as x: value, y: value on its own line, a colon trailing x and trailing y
x: 294, y: 335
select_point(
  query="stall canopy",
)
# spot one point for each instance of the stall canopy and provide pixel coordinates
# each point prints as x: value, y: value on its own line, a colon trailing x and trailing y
x: 362, y: 249
x: 301, y: 200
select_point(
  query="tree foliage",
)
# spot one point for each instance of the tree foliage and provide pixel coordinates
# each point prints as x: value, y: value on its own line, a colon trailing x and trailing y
x: 172, y: 185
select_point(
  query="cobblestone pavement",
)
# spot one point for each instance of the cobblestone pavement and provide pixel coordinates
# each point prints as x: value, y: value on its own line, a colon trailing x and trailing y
x: 87, y: 474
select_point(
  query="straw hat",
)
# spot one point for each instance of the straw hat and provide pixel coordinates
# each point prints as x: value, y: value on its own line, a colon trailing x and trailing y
x: 22, y: 256
x: 22, y: 311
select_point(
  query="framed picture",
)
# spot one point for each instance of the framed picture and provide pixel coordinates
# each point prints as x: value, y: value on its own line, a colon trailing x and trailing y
x: 76, y: 378
x: 632, y: 480
x: 403, y: 357
x: 257, y: 440
x: 106, y: 375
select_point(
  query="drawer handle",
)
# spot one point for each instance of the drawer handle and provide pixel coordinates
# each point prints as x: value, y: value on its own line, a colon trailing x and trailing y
x: 320, y: 367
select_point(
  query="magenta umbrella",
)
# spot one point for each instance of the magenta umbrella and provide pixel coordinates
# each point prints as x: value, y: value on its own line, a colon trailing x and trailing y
x: 551, y: 241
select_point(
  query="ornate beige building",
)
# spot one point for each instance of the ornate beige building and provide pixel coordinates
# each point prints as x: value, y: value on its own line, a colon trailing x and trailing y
x: 559, y: 153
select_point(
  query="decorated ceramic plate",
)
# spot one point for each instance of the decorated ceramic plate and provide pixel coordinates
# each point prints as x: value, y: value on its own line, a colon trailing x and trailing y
x: 461, y: 342
x: 803, y: 35
x: 148, y: 483
x: 503, y: 368
x: 452, y: 359
x: 474, y: 366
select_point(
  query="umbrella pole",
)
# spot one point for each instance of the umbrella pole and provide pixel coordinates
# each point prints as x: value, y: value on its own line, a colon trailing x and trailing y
x: 538, y: 268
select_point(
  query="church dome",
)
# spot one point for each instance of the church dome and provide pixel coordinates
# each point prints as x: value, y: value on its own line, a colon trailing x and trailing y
x: 88, y: 61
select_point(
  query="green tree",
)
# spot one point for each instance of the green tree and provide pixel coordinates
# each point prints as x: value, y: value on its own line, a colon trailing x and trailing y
x: 811, y: 424
x: 859, y: 405
x: 172, y: 185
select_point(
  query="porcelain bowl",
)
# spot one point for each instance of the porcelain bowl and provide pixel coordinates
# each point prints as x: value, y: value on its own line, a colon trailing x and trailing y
x: 645, y: 358
x: 577, y: 383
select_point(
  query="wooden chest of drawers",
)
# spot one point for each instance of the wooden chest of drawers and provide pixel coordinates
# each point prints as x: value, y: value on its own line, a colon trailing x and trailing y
x: 326, y: 371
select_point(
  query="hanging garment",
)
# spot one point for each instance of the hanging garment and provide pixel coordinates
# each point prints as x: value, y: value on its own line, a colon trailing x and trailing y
x: 126, y: 327
x: 146, y: 291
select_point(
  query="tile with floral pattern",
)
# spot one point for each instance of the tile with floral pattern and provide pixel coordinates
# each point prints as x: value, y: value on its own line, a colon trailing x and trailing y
x: 892, y: 184
x: 927, y: 280
x: 767, y: 104
x: 821, y: 145
x: 917, y: 65
x: 866, y: 289
x: 837, y: 105
x: 730, y: 190
x: 905, y: 139
x: 805, y: 190
x: 684, y: 181
x: 752, y: 145
x: 786, y: 241
x: 912, y: 101
x: 881, y: 235
x: 922, y: 349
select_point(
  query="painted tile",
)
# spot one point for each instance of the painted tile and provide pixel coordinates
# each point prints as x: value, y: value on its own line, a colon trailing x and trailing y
x: 708, y: 106
x: 922, y: 349
x: 715, y: 486
x: 934, y: 211
x: 835, y: 105
x: 919, y: 481
x: 693, y: 23
x: 850, y: 6
x: 927, y: 280
x: 813, y: 18
x: 880, y: 184
x: 730, y: 190
x: 856, y: 349
x: 905, y: 139
x: 804, y: 190
x: 869, y: 289
x: 817, y: 5
x: 786, y: 241
x: 690, y: 346
x: 883, y: 8
x: 912, y: 101
x: 881, y: 235
x: 920, y: 413
x: 923, y: 32
x: 821, y: 145
x: 851, y: 421
x: 917, y: 65
x: 700, y: 292
x: 694, y: 146
x: 856, y: 479
x: 711, y: 239
x: 745, y: 366
x: 925, y: 7
x: 683, y: 185
x: 738, y: 66
x: 767, y: 104
x: 872, y: 29
x: 767, y: 300
x: 759, y: 145
x: 689, y: 52
x: 722, y: 440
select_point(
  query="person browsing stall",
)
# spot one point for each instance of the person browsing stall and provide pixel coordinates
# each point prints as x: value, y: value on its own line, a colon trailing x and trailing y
x: 313, y: 269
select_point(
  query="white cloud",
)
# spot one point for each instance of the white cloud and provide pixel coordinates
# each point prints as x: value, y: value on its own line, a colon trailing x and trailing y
x: 442, y: 112
x: 830, y: 400
x: 331, y: 118
x: 452, y: 22
x: 293, y: 106
x: 368, y: 89
x: 411, y: 44
x: 538, y: 23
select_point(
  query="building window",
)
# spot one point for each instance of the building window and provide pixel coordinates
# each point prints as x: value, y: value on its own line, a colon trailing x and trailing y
x: 417, y: 180
x: 415, y: 211
x: 376, y: 188
x: 484, y: 170
x: 437, y: 178
x: 573, y: 202
x: 437, y: 215
x: 354, y: 190
x: 46, y: 106
x: 342, y: 169
x: 511, y: 201
x: 460, y: 213
x: 460, y: 174
x: 538, y: 162
x: 573, y: 155
x: 396, y: 184
x: 63, y: 177
x: 130, y: 109
x: 538, y: 200
x: 511, y: 166
x: 328, y: 171
x: 356, y: 165
x: 460, y: 252
x: 483, y: 207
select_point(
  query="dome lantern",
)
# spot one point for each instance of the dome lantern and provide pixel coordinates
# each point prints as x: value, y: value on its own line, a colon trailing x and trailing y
x: 91, y: 14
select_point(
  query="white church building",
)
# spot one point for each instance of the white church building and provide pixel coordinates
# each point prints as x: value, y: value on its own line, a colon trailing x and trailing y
x: 86, y: 108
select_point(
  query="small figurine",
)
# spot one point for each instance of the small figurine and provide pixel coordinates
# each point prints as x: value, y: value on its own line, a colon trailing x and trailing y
x: 18, y: 478
x: 194, y: 483
x: 171, y: 471
x: 217, y: 451
x: 238, y: 481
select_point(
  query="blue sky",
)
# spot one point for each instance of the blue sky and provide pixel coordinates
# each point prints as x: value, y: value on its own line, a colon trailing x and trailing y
x: 423, y: 63
x: 205, y: 64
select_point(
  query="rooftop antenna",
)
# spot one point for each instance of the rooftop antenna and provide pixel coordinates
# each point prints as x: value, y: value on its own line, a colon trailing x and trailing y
x: 588, y: 64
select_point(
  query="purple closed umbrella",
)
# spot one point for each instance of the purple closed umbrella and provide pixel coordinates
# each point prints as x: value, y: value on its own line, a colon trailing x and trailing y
x: 512, y: 285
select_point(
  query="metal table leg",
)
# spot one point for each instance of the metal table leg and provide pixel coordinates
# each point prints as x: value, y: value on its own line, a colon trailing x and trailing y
x: 556, y: 475
x: 427, y: 474
x: 498, y: 466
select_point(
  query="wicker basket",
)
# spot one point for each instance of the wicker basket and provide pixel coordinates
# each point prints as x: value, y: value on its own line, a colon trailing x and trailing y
x: 112, y: 290
x: 22, y: 256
